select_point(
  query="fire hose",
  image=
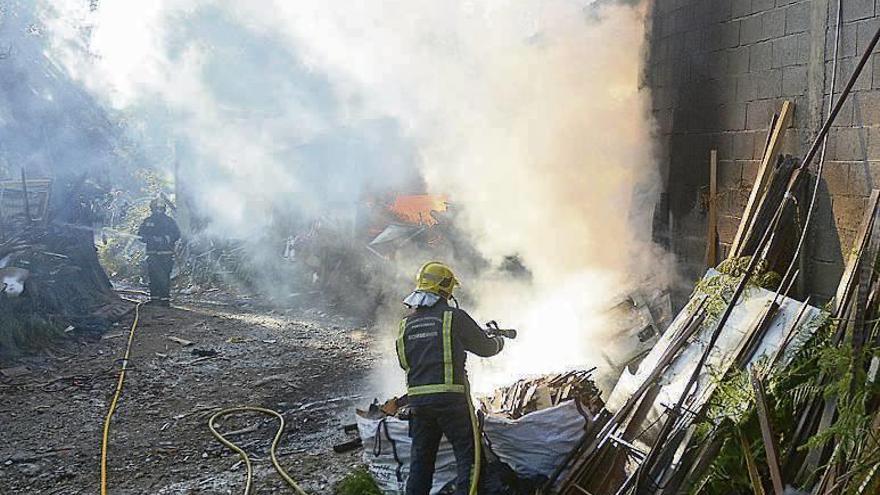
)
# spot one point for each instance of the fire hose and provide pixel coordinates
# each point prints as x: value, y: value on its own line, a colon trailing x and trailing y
x: 106, y: 434
x: 241, y: 453
x: 492, y: 330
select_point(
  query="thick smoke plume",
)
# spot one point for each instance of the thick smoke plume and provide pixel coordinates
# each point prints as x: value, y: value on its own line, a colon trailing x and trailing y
x: 529, y: 115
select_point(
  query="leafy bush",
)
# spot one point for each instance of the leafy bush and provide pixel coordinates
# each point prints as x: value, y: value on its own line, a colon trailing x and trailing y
x: 358, y: 482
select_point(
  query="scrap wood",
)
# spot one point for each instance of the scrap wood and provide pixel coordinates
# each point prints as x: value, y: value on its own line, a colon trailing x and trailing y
x: 767, y: 433
x: 751, y: 465
x: 712, y: 227
x: 765, y: 170
x: 663, y: 449
x: 591, y: 444
x: 844, y: 307
x: 850, y: 273
x: 782, y: 178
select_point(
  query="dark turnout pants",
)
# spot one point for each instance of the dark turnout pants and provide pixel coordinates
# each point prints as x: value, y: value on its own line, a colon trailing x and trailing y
x: 159, y: 272
x: 428, y: 423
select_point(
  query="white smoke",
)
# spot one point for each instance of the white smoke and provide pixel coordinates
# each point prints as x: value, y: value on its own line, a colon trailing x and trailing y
x: 528, y: 114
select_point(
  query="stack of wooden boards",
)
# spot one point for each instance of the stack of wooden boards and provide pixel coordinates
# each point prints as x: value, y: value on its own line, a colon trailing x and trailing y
x: 530, y: 395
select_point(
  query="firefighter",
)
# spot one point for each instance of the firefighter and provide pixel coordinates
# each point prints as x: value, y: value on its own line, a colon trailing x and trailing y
x: 160, y: 233
x: 431, y: 349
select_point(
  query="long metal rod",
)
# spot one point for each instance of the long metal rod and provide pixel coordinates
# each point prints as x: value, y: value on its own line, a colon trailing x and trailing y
x: 821, y: 164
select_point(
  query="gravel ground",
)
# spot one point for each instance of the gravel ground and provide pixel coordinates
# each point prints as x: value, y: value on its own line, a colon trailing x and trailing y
x: 310, y: 366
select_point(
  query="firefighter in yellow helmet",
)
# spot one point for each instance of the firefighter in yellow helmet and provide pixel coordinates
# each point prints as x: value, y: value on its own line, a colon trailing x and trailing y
x: 431, y: 348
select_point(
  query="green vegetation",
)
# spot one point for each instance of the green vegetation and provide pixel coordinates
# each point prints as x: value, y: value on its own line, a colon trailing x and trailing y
x: 358, y: 482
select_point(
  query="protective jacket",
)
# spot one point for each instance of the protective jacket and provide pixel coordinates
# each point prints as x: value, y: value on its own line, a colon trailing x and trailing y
x: 431, y: 347
x: 160, y: 233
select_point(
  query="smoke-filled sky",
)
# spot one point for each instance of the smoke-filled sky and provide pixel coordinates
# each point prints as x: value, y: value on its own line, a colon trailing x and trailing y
x: 528, y: 114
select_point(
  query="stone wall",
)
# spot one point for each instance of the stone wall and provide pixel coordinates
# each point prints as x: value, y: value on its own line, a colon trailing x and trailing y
x: 718, y: 71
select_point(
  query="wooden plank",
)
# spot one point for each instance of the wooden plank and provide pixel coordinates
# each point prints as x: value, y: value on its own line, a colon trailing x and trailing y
x: 770, y: 447
x: 763, y: 178
x: 751, y: 466
x: 712, y: 234
x: 847, y: 281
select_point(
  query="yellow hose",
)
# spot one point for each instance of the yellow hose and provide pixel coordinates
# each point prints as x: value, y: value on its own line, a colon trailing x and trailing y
x: 478, y: 444
x: 241, y: 453
x: 113, y: 403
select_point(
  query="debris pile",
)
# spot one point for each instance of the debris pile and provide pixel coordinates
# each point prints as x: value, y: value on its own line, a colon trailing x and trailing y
x: 530, y: 395
x: 50, y: 277
x: 529, y: 427
x: 750, y: 390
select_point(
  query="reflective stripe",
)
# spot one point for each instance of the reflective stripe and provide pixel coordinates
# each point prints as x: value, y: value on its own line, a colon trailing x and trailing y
x: 401, y: 349
x: 436, y: 389
x: 447, y: 348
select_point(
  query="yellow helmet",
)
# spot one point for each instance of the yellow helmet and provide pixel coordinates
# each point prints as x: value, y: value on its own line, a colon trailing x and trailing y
x: 437, y: 278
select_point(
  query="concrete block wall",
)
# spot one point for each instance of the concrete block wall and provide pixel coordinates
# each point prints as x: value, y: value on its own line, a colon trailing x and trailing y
x: 718, y: 70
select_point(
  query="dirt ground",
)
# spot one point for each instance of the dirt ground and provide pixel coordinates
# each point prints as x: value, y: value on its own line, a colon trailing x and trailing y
x: 311, y: 366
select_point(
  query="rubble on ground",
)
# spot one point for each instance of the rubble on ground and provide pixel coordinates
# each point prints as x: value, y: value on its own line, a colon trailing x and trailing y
x: 51, y: 277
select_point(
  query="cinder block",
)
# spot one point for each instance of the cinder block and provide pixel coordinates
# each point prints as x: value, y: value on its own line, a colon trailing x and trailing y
x: 867, y: 171
x: 762, y: 5
x: 770, y: 84
x: 785, y: 51
x: 794, y: 80
x: 774, y: 24
x: 866, y: 108
x: 739, y: 60
x: 752, y: 29
x: 729, y: 33
x: 804, y: 48
x: 797, y: 17
x: 835, y: 177
x: 758, y: 114
x: 720, y: 10
x: 848, y: 211
x: 793, y: 144
x: 854, y: 10
x: 845, y: 69
x: 740, y: 8
x: 727, y: 226
x: 718, y: 64
x: 750, y: 172
x: 733, y: 116
x: 744, y: 145
x: 863, y: 177
x: 873, y: 152
x: 723, y: 142
x: 760, y: 56
x: 847, y: 44
x: 729, y: 173
x: 875, y: 72
x: 746, y: 88
x: 845, y: 116
x: 864, y: 32
x: 848, y: 144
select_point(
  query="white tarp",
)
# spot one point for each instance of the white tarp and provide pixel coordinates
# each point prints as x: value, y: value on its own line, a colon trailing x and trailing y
x: 535, y: 444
